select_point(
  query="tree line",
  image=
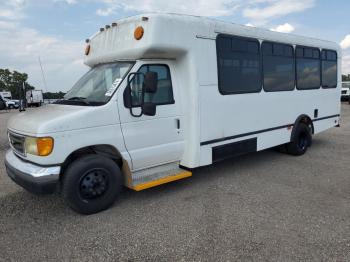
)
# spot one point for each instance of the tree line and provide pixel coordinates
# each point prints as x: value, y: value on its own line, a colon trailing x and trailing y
x: 13, y: 81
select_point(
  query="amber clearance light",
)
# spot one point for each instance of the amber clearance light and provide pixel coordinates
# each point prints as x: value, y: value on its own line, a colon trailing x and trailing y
x: 139, y: 31
x: 87, y: 50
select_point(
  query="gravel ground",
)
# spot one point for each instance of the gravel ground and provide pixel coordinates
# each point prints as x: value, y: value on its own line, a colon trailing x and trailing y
x: 265, y: 206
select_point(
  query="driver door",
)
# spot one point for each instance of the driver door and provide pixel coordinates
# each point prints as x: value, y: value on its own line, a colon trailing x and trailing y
x: 153, y: 140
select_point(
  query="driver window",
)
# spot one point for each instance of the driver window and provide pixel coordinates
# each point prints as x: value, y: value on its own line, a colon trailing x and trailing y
x: 164, y: 94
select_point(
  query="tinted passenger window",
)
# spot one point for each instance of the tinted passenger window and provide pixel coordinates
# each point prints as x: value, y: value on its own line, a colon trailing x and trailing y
x: 238, y: 65
x: 329, y: 69
x: 278, y: 67
x: 308, y: 68
x: 164, y: 94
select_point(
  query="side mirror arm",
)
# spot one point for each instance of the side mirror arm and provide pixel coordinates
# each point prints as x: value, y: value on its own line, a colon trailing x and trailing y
x: 128, y: 88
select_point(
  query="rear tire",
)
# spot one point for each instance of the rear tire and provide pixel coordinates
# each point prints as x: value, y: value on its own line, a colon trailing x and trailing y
x: 91, y: 184
x: 301, y: 141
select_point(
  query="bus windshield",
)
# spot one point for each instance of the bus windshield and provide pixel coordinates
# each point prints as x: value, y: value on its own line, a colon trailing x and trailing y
x: 98, y: 85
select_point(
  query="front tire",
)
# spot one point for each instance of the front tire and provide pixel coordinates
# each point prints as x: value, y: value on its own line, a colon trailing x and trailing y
x: 301, y: 141
x: 91, y: 184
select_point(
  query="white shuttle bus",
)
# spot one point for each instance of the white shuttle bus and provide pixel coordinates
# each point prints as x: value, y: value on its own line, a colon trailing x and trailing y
x: 169, y: 93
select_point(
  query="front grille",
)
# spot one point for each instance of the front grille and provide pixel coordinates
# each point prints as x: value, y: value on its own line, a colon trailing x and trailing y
x: 17, y: 143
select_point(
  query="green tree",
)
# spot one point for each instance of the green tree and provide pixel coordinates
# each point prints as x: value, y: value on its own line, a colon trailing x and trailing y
x: 13, y: 82
x: 50, y: 95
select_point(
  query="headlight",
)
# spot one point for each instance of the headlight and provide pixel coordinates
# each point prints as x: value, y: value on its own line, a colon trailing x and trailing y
x: 39, y: 146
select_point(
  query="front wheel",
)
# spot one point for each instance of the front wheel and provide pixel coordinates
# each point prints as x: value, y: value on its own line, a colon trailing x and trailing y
x: 91, y: 184
x: 301, y: 141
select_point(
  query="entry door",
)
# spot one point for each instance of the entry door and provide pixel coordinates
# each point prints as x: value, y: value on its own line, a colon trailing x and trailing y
x: 153, y: 140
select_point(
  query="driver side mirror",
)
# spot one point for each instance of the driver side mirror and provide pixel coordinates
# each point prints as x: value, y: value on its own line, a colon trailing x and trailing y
x: 150, y: 82
x: 135, y: 93
x: 149, y: 109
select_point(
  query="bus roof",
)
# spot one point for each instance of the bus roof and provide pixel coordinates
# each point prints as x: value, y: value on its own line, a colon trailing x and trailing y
x: 171, y: 35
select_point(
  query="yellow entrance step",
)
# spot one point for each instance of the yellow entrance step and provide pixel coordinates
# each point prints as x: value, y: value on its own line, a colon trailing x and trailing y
x: 158, y: 176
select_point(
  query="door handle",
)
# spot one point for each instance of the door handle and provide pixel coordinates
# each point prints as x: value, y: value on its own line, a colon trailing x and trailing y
x: 178, y: 123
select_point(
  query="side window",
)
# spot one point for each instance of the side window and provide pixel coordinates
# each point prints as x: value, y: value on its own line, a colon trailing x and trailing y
x: 164, y: 94
x: 278, y: 67
x: 308, y: 68
x: 239, y: 69
x: 329, y: 69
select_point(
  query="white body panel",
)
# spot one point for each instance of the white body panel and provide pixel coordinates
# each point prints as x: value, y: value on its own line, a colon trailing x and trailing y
x: 153, y: 140
x: 208, y: 119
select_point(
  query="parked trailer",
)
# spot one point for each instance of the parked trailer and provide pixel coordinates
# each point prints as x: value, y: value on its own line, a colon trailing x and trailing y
x: 34, y: 98
x: 170, y: 93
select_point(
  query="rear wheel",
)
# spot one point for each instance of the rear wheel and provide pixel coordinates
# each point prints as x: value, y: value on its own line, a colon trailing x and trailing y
x: 91, y: 184
x: 301, y: 141
x: 11, y: 106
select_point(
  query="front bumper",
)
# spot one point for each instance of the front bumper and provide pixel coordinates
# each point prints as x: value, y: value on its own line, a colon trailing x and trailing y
x: 33, y: 178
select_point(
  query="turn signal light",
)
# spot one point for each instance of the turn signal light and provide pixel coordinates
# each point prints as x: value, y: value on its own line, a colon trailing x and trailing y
x: 139, y: 31
x: 39, y: 146
x: 45, y: 146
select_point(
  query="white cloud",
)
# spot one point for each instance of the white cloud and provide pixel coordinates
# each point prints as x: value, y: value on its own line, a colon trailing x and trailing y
x: 345, y: 43
x: 12, y: 9
x: 263, y: 10
x: 259, y: 11
x: 199, y: 7
x: 70, y: 2
x: 7, y: 25
x: 285, y: 28
x: 16, y: 3
x: 61, y: 59
x: 105, y: 12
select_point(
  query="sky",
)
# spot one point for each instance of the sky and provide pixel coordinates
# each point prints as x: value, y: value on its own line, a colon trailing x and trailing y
x: 55, y: 30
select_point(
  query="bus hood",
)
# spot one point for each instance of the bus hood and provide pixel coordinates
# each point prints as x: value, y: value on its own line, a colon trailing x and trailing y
x: 58, y: 118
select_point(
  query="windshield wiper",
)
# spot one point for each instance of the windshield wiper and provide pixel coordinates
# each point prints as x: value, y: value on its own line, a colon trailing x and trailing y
x: 79, y: 99
x: 74, y: 101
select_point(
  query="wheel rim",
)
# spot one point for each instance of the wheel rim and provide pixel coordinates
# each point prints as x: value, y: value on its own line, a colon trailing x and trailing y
x: 303, y: 141
x: 93, y: 184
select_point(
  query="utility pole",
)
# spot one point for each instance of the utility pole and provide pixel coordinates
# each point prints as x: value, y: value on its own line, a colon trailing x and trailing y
x: 43, y: 76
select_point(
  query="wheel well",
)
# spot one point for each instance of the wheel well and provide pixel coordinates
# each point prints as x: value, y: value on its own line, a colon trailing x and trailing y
x: 305, y: 119
x: 104, y: 150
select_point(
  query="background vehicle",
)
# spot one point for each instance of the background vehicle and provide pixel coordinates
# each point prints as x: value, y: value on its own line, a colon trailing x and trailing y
x: 12, y: 104
x: 153, y: 107
x: 345, y: 91
x: 6, y: 94
x: 34, y: 98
